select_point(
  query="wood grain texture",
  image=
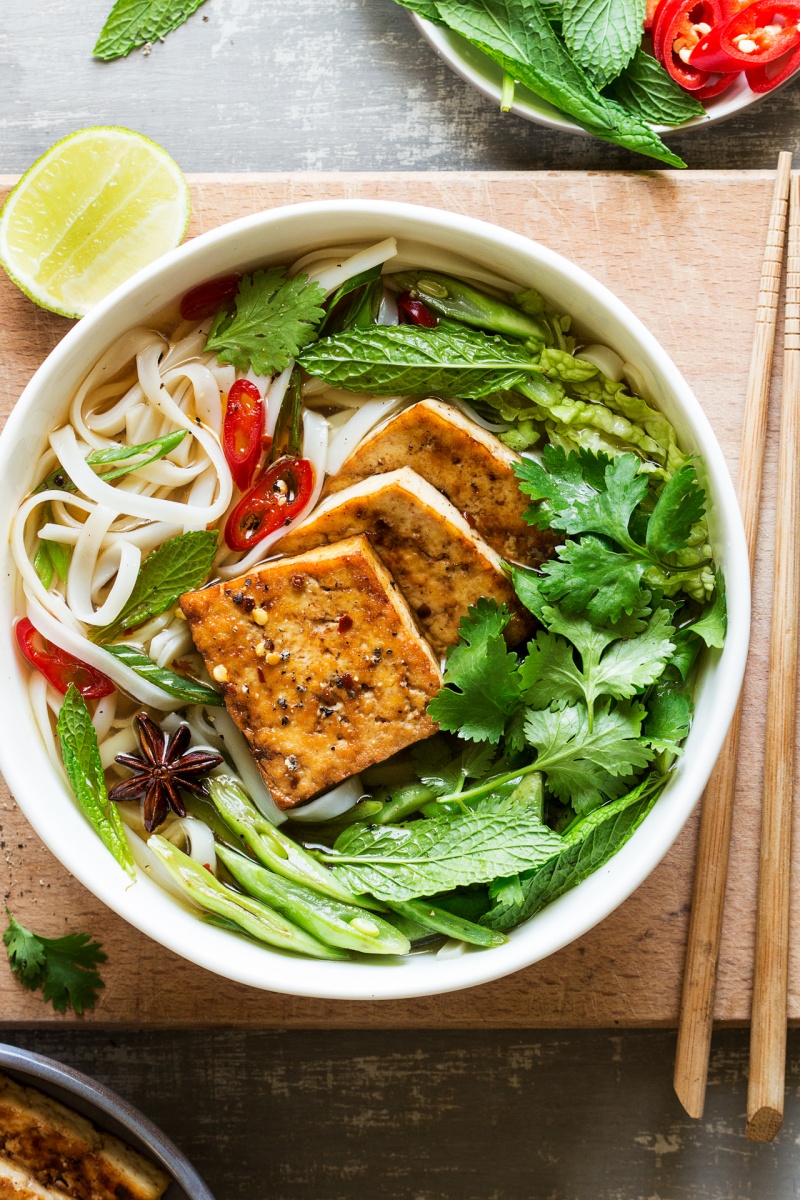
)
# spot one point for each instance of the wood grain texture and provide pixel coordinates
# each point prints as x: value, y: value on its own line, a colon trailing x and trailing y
x: 701, y: 303
x: 286, y: 85
x: 713, y: 846
x: 442, y: 1115
x: 765, y: 1094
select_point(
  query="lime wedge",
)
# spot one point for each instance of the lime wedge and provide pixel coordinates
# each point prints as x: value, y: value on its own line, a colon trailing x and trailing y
x: 96, y: 207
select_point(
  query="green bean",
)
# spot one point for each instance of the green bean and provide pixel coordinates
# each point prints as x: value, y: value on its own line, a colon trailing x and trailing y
x: 402, y: 802
x: 261, y: 922
x: 451, y: 298
x: 273, y: 848
x: 445, y: 922
x: 365, y: 810
x: 332, y: 922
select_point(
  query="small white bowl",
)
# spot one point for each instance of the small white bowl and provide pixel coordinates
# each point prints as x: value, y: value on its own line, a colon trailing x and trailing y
x: 282, y: 235
x: 477, y: 69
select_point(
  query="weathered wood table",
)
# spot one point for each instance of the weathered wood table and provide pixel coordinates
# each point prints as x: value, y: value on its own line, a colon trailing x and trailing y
x: 299, y: 85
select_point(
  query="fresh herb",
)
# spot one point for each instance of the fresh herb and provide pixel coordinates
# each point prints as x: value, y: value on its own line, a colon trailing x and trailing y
x: 646, y: 89
x: 64, y: 968
x: 518, y: 36
x: 363, y: 293
x: 404, y: 862
x: 148, y: 452
x: 452, y: 361
x: 133, y: 23
x: 169, y: 681
x: 669, y: 718
x: 587, y: 844
x: 178, y: 565
x: 713, y: 625
x: 271, y: 319
x: 81, y: 757
x: 602, y: 35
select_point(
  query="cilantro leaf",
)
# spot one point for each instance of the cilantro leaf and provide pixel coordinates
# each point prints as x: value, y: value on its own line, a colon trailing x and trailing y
x: 81, y: 757
x: 485, y: 673
x: 584, y: 492
x: 584, y: 766
x: 669, y: 718
x: 272, y: 318
x: 65, y: 968
x: 178, y: 565
x: 589, y: 576
x: 549, y: 675
x: 713, y: 624
x: 133, y: 23
x: 680, y: 505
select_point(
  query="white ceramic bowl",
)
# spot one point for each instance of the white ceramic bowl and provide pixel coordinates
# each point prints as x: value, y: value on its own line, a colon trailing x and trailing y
x: 477, y: 69
x: 282, y: 235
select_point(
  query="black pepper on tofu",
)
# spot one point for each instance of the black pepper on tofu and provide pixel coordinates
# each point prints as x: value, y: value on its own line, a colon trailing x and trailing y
x: 362, y: 704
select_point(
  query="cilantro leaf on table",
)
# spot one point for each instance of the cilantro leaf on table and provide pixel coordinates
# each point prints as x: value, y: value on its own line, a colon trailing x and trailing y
x: 178, y: 565
x: 585, y: 766
x: 64, y: 968
x: 484, y: 671
x: 645, y: 88
x: 272, y: 318
x: 602, y: 35
x: 133, y: 23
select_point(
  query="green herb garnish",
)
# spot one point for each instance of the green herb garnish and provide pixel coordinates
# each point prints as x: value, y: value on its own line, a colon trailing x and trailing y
x: 169, y: 681
x: 64, y: 968
x: 133, y: 23
x: 271, y: 319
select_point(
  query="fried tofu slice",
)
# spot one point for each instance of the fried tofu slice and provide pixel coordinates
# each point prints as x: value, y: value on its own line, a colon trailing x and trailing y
x: 440, y: 565
x: 469, y: 465
x: 44, y: 1145
x: 321, y: 663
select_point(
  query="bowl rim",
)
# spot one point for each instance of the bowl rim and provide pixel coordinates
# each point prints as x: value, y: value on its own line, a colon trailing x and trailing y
x: 98, y: 1096
x: 271, y: 970
x: 446, y: 45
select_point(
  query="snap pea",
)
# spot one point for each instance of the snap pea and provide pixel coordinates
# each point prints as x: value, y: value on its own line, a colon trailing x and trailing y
x: 425, y: 913
x: 273, y: 848
x: 451, y: 298
x: 329, y: 920
x: 261, y: 922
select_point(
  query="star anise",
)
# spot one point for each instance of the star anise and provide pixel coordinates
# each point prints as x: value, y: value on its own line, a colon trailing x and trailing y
x: 162, y: 769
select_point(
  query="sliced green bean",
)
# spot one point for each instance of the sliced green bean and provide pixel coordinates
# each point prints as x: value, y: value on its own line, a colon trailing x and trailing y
x: 452, y: 298
x: 329, y: 920
x: 273, y: 848
x: 402, y: 802
x: 425, y: 913
x: 262, y: 923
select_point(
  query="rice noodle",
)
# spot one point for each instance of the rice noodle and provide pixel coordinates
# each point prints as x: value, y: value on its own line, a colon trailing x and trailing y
x: 469, y: 411
x: 605, y: 359
x: 275, y: 398
x: 333, y: 277
x: 335, y: 802
x: 199, y: 837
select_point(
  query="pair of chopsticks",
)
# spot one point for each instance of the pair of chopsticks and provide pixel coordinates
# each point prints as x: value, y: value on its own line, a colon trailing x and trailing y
x: 765, y: 1096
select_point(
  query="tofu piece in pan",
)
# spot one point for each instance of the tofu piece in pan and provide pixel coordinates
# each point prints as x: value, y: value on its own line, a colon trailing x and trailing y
x: 468, y: 464
x: 440, y: 565
x: 321, y: 663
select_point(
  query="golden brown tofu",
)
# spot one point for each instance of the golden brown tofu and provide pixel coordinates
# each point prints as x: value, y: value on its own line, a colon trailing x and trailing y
x: 469, y: 465
x: 440, y: 565
x: 44, y: 1144
x: 321, y: 663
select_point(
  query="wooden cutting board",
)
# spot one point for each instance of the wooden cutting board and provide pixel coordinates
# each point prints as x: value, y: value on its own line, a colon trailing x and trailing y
x: 683, y: 250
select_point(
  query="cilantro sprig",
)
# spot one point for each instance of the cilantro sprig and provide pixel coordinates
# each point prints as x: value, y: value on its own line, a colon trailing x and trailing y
x: 272, y: 318
x: 63, y: 968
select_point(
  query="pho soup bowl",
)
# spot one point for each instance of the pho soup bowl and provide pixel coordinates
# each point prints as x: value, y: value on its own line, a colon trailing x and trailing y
x: 282, y: 235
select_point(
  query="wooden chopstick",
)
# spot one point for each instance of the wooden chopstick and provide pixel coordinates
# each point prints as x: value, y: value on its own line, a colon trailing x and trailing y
x: 765, y: 1090
x: 711, y: 868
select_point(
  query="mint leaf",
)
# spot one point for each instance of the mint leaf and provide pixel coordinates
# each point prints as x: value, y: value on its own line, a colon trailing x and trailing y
x: 519, y: 37
x: 485, y: 673
x: 645, y: 89
x: 713, y: 625
x: 133, y: 23
x: 588, y: 843
x: 65, y: 968
x: 81, y: 756
x: 602, y: 35
x: 271, y: 319
x: 407, y: 360
x: 168, y: 681
x: 178, y: 565
x: 584, y: 766
x: 681, y: 503
x: 404, y: 862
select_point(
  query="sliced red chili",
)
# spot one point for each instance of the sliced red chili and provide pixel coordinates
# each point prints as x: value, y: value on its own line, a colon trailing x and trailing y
x: 679, y: 25
x: 59, y: 668
x: 277, y: 497
x: 650, y: 13
x: 753, y: 37
x: 207, y: 298
x: 415, y: 312
x: 773, y: 74
x: 242, y: 431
